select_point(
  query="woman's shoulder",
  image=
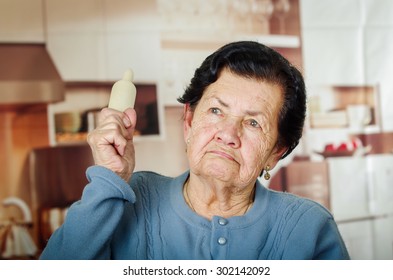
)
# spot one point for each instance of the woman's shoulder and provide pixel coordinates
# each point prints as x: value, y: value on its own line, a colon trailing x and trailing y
x: 154, y: 180
x: 297, y: 205
x: 150, y: 176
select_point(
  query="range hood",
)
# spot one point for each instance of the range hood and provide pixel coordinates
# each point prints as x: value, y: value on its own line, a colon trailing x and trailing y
x: 28, y: 75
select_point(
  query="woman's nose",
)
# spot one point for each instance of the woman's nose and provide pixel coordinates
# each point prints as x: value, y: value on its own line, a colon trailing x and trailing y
x: 229, y: 133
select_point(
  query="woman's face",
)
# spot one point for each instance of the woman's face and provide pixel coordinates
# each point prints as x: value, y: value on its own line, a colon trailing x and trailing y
x: 233, y: 131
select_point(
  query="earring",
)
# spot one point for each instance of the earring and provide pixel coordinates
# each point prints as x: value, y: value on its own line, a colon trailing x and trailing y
x: 267, y: 175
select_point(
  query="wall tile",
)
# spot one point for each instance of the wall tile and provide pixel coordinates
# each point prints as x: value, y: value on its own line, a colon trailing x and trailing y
x: 21, y: 21
x: 379, y: 68
x: 138, y: 50
x: 378, y: 42
x: 74, y: 16
x: 317, y: 13
x: 78, y: 56
x: 126, y: 15
x: 378, y: 13
x: 333, y: 55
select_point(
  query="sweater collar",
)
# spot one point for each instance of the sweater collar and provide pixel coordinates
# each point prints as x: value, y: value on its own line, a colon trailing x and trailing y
x: 180, y: 207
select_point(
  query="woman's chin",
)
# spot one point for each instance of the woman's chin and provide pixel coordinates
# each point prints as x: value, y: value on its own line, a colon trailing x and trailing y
x: 220, y: 172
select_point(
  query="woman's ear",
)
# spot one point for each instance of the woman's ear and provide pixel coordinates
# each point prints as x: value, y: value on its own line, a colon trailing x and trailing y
x: 188, y: 116
x: 276, y: 156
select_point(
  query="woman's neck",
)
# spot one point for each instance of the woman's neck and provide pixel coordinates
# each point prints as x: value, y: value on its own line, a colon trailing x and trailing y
x: 216, y: 198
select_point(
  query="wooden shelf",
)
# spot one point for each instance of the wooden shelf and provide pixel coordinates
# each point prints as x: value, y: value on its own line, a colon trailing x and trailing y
x: 214, y: 41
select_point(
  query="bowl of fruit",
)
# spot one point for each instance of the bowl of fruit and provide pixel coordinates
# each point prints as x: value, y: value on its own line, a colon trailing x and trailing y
x: 344, y: 149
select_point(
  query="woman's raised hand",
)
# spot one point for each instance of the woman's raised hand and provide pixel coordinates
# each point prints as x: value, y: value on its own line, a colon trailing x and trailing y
x: 112, y: 141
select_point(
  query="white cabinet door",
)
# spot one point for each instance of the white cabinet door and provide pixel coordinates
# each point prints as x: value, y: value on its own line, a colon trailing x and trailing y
x: 21, y: 21
x: 359, y: 239
x: 380, y: 183
x: 383, y: 232
x: 349, y: 197
x: 370, y: 239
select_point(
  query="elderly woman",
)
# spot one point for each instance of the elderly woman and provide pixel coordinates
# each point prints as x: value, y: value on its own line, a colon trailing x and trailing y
x: 243, y: 111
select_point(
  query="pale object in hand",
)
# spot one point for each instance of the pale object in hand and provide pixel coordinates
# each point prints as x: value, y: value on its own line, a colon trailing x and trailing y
x: 123, y: 93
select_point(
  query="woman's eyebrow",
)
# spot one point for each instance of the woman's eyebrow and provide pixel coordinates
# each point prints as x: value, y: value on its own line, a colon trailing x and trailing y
x: 253, y: 113
x: 222, y: 103
x: 248, y: 112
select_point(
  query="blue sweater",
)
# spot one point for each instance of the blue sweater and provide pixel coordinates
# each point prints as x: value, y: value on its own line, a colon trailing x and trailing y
x: 151, y: 220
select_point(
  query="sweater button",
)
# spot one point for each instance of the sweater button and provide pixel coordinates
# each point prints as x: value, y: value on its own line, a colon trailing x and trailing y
x: 222, y: 241
x: 222, y: 221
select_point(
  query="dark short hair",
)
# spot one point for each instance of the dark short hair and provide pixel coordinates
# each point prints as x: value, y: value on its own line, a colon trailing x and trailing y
x: 257, y: 61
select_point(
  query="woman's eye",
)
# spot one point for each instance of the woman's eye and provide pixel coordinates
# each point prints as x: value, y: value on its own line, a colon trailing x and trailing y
x: 215, y: 111
x: 254, y: 123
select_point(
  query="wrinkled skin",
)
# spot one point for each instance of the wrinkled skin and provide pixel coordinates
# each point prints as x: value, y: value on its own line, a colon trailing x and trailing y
x: 231, y: 136
x: 112, y: 141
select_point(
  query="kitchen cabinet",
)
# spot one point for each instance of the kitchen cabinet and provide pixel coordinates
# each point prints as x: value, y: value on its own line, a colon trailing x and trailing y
x: 358, y: 191
x: 383, y: 241
x: 369, y: 239
x: 361, y: 195
x: 304, y: 178
x: 57, y: 178
x: 22, y: 21
x: 380, y: 183
x: 349, y: 193
x: 358, y: 237
x: 364, y: 183
x: 98, y: 40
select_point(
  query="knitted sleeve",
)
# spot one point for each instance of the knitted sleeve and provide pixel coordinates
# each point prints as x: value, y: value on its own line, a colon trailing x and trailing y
x: 91, y: 221
x: 315, y: 236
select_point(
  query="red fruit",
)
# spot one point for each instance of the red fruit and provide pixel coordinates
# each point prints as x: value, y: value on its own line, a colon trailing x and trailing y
x: 357, y: 143
x: 330, y: 148
x: 342, y: 147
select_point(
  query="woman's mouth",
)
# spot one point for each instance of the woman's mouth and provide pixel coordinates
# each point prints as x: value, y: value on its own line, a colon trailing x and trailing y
x: 223, y: 155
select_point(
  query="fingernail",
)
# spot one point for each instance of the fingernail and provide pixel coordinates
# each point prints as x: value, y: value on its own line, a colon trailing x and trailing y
x: 126, y: 122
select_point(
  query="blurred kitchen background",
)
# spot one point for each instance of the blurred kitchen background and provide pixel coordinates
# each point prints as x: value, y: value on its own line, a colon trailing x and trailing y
x: 60, y: 58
